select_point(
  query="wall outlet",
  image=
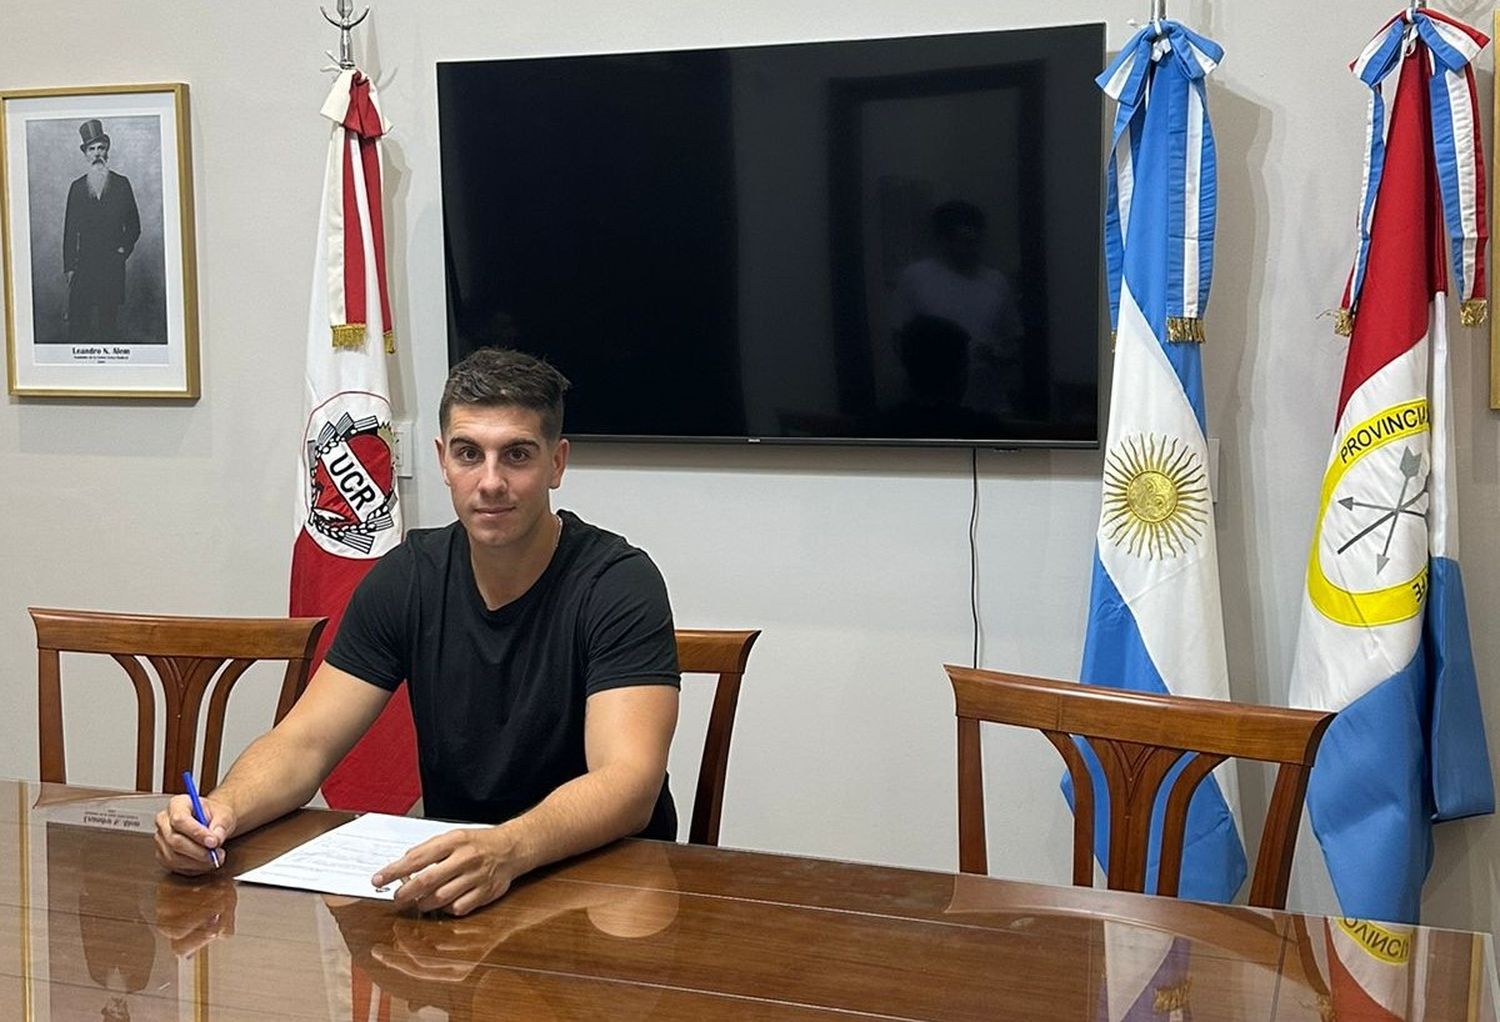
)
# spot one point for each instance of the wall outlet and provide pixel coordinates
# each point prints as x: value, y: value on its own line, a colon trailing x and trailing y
x: 402, y: 454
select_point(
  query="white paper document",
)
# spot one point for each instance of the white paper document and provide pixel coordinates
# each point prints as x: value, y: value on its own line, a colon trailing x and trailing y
x: 343, y: 860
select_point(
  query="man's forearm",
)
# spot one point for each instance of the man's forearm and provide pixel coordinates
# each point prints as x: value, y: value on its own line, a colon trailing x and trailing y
x: 270, y: 779
x: 592, y: 810
x: 281, y: 770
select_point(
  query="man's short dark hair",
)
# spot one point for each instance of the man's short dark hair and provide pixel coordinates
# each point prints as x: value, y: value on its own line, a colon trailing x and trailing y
x: 501, y: 377
x: 950, y: 216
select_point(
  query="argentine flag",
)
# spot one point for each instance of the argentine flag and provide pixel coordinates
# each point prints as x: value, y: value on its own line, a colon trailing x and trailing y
x: 1384, y: 635
x: 1147, y: 975
x: 1155, y: 623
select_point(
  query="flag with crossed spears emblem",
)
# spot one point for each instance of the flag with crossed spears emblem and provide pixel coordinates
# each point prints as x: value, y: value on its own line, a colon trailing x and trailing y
x: 1390, y: 517
x: 1384, y: 635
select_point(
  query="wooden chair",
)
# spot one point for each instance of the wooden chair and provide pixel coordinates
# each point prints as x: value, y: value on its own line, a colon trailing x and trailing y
x: 703, y: 651
x: 187, y: 654
x: 1137, y: 739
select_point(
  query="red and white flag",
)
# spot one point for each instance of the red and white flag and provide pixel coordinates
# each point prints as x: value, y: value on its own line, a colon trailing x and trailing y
x: 348, y: 514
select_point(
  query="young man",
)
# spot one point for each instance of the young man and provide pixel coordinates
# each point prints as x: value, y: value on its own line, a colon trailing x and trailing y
x: 540, y: 655
x: 955, y: 284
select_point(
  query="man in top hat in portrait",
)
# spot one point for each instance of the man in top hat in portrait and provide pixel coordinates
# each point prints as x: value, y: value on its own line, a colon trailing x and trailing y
x: 99, y: 233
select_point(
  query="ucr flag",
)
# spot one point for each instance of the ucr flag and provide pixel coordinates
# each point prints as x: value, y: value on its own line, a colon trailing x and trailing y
x: 348, y: 512
x: 1155, y: 623
x: 1384, y: 633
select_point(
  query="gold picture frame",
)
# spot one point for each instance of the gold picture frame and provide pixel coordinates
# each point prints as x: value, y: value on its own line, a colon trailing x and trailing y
x: 99, y: 259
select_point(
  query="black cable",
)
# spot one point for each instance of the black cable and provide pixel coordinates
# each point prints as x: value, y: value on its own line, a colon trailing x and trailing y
x: 974, y: 547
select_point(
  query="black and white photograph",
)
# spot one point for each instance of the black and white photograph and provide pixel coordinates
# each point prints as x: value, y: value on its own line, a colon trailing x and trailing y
x: 98, y: 242
x: 96, y: 219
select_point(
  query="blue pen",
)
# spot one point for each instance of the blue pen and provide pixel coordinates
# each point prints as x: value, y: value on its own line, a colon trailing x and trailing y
x: 192, y: 790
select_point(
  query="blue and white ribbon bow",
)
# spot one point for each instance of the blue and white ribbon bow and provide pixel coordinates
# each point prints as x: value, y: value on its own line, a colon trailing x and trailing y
x: 1166, y: 48
x: 1451, y: 47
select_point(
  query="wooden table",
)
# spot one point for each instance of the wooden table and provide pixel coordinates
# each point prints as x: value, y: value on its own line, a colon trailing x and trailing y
x: 91, y: 928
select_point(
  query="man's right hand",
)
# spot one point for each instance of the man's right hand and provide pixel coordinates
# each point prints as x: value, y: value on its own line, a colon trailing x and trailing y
x: 182, y: 843
x: 69, y: 275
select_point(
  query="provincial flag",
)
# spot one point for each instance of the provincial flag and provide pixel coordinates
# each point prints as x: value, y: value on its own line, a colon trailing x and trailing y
x: 1384, y: 636
x: 1369, y: 969
x: 1357, y: 969
x: 1155, y: 623
x: 348, y: 511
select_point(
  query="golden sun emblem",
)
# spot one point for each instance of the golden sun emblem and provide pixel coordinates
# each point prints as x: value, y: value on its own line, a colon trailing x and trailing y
x: 1155, y: 496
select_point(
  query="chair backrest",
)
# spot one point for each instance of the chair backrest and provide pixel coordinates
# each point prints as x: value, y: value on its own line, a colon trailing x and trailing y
x: 1138, y: 739
x: 187, y: 654
x: 705, y: 651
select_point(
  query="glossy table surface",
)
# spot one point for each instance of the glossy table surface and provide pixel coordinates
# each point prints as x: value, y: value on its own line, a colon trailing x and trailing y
x: 91, y: 928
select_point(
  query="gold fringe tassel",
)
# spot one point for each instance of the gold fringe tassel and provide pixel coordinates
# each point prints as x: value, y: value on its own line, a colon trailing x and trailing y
x: 1343, y: 322
x: 1474, y: 311
x: 348, y: 335
x: 1185, y: 329
x: 352, y: 335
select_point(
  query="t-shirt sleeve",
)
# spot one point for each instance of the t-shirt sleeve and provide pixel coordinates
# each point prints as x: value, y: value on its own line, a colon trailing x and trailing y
x: 371, y: 642
x: 627, y: 628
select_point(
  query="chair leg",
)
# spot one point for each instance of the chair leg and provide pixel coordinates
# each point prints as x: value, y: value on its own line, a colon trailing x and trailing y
x: 49, y: 718
x: 972, y: 854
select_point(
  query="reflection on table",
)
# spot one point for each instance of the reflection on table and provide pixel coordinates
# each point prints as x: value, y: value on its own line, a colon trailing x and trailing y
x: 91, y: 928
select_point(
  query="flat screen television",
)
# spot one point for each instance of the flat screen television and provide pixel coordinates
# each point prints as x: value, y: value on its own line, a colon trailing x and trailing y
x: 892, y: 241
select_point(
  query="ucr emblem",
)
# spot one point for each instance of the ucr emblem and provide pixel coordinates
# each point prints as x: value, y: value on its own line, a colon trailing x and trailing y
x: 349, y: 485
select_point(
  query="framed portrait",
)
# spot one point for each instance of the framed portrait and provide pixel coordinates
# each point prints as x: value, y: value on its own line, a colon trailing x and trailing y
x: 96, y: 213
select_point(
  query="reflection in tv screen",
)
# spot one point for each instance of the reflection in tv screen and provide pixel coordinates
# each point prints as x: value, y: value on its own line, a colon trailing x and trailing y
x: 891, y: 241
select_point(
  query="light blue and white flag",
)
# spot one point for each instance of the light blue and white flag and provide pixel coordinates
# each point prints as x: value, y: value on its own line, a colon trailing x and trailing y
x: 1155, y: 623
x: 1146, y: 975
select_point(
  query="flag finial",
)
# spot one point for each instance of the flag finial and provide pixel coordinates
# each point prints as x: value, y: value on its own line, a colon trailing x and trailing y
x: 345, y: 22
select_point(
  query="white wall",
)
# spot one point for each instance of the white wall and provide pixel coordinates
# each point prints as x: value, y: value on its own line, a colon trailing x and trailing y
x: 855, y: 563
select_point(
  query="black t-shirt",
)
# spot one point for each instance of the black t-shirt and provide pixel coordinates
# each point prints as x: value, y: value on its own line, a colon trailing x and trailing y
x: 498, y: 696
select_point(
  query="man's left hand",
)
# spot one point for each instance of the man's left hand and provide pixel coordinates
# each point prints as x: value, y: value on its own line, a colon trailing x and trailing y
x: 459, y: 871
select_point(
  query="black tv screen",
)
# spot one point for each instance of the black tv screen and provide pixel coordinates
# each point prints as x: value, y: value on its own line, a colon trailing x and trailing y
x: 873, y: 241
